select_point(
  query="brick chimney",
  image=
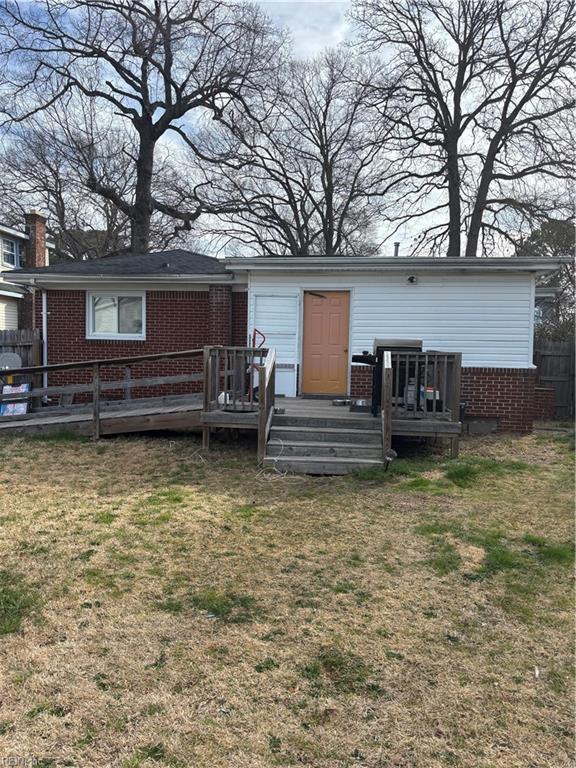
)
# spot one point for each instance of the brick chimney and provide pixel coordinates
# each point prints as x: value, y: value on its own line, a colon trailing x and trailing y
x: 35, y: 249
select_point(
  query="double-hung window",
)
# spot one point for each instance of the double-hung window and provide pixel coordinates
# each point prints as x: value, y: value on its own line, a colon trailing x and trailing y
x: 10, y: 252
x: 116, y: 316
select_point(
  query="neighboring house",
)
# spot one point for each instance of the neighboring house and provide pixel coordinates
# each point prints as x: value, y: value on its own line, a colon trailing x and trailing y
x: 316, y: 312
x: 27, y: 249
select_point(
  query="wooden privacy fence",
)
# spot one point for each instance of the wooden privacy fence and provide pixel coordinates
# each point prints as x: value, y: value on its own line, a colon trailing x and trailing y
x: 24, y: 342
x: 555, y: 363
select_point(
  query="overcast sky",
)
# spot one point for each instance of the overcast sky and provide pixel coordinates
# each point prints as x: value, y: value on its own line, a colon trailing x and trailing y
x: 314, y: 24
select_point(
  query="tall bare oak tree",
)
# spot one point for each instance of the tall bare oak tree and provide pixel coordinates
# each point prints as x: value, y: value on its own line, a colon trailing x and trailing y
x: 154, y: 64
x: 486, y: 87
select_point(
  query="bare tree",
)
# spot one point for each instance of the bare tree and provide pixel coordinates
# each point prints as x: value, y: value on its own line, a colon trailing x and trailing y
x: 154, y: 64
x: 486, y: 87
x: 309, y: 174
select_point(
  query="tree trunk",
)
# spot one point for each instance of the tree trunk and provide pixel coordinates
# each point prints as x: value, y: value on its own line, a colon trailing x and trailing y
x: 142, y: 208
x: 477, y: 216
x: 454, y: 203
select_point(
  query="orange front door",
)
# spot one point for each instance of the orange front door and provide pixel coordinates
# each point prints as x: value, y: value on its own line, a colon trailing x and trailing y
x: 325, y: 344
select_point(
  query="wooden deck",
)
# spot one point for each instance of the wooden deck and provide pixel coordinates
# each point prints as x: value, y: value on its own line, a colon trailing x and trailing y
x: 238, y: 393
x: 317, y: 408
x: 116, y: 418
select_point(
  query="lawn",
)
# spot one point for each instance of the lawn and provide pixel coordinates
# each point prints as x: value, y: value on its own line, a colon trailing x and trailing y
x: 159, y: 607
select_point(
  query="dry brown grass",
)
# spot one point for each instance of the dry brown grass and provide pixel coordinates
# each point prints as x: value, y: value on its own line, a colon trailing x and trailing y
x: 195, y: 612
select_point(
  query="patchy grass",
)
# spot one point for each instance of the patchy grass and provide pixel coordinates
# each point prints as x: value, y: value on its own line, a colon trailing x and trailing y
x: 170, y: 609
x: 343, y: 671
x: 227, y: 606
x: 18, y: 600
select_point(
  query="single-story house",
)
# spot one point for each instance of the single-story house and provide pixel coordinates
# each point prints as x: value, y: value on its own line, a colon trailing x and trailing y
x: 317, y: 312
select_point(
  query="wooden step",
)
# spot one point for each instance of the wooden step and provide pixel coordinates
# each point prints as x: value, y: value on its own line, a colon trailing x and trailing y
x: 335, y: 421
x: 326, y: 435
x: 338, y: 450
x: 319, y: 465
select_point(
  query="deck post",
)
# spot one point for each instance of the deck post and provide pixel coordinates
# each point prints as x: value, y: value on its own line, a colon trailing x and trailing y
x: 207, y: 391
x: 455, y: 402
x: 262, y: 412
x: 386, y: 411
x: 127, y: 383
x: 96, y: 401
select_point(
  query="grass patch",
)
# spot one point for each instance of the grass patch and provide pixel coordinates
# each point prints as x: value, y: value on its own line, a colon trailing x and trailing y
x: 466, y: 473
x: 266, y: 665
x: 551, y: 553
x: 61, y: 436
x: 345, y: 672
x: 226, y: 606
x: 445, y: 558
x: 459, y: 474
x: 18, y: 601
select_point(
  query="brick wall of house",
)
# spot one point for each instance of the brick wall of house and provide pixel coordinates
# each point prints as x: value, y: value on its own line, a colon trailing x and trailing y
x: 361, y: 381
x: 175, y: 320
x: 544, y: 404
x: 239, y: 319
x: 504, y: 394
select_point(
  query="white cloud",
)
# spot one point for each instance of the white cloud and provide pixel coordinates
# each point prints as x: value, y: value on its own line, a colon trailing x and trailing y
x: 314, y: 24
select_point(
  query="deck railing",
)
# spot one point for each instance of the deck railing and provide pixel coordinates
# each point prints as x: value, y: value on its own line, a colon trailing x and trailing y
x: 240, y: 380
x: 266, y: 398
x: 95, y: 384
x: 425, y: 385
x: 231, y: 378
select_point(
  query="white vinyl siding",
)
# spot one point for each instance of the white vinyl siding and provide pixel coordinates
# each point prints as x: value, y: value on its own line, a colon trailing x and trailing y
x: 8, y: 314
x: 487, y: 317
x: 279, y: 315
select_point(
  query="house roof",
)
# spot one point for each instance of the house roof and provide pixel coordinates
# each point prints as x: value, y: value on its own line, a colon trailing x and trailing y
x: 388, y: 264
x: 157, y: 264
x: 182, y: 265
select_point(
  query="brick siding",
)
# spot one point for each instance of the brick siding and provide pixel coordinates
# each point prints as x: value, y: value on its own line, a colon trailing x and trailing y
x: 175, y: 320
x: 505, y: 394
x: 361, y: 381
x: 544, y: 404
x: 239, y: 319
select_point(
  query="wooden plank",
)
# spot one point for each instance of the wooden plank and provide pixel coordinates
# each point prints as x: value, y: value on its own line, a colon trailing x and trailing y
x: 120, y: 361
x: 230, y: 419
x: 425, y: 427
x: 386, y: 404
x: 456, y: 387
x: 120, y: 384
x: 96, y: 401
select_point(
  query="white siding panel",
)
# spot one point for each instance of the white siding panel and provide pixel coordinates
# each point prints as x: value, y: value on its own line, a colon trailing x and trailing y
x: 8, y: 314
x: 277, y: 318
x: 489, y: 318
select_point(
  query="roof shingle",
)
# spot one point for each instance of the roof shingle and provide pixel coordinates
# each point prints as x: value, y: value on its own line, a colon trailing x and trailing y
x: 175, y: 262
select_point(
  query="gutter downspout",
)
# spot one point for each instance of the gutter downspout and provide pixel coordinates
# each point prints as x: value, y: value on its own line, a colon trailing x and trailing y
x: 44, y: 335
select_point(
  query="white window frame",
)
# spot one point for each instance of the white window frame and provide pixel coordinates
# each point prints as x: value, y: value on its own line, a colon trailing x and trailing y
x: 16, y: 244
x: 91, y: 333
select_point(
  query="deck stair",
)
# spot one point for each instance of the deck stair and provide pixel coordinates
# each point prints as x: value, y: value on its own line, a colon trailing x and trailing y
x: 323, y: 445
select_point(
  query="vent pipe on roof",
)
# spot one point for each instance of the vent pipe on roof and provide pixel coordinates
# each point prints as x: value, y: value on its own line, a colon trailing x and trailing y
x: 396, y: 248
